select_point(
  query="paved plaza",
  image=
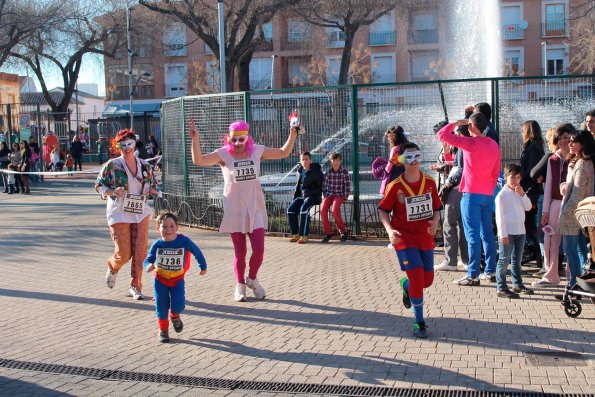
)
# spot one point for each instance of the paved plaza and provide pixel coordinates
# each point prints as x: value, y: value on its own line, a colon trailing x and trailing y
x: 333, y: 316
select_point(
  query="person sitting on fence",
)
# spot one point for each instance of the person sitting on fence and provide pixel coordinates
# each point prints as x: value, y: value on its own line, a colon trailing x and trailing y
x: 335, y: 189
x: 244, y: 208
x: 410, y: 213
x: 307, y: 194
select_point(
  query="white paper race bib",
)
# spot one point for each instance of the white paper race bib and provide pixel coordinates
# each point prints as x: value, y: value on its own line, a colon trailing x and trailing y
x: 245, y: 170
x: 134, y: 203
x: 170, y: 259
x: 419, y: 207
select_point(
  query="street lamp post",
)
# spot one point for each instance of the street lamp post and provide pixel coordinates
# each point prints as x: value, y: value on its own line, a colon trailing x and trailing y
x: 222, y: 71
x: 544, y: 44
x: 130, y: 55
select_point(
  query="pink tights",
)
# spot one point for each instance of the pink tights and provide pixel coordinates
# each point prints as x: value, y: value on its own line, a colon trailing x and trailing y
x: 240, y: 250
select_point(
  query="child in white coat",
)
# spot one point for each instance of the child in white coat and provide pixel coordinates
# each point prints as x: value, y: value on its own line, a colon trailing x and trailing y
x: 511, y: 204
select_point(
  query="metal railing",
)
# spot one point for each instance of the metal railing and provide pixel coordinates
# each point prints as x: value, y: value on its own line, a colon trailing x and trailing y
x: 388, y: 37
x: 422, y: 36
x: 512, y: 32
x: 555, y: 29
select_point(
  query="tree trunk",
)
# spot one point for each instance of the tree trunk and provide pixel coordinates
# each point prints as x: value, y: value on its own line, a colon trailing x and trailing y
x: 244, y: 72
x: 346, y: 58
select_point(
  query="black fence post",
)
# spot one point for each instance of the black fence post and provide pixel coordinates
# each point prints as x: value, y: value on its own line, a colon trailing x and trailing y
x: 9, y: 122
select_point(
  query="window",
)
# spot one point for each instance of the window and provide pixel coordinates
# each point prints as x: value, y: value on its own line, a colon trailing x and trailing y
x: 514, y: 63
x: 175, y: 79
x: 424, y: 28
x: 174, y: 40
x: 382, y: 31
x: 298, y: 72
x: 212, y: 71
x: 297, y: 31
x: 267, y: 29
x: 557, y: 60
x: 554, y: 18
x: 383, y: 68
x: 333, y: 66
x: 513, y: 26
x: 260, y: 73
x: 421, y: 64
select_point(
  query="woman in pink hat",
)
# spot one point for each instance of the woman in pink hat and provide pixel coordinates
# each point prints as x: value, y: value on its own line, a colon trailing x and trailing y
x: 244, y: 209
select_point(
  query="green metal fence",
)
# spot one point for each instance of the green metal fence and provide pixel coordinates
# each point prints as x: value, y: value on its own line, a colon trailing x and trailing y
x: 350, y: 120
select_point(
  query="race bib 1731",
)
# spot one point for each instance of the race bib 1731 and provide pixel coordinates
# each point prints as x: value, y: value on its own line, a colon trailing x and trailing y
x: 419, y: 207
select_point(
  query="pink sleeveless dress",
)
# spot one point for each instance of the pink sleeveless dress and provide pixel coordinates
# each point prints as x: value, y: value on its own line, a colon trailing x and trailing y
x: 244, y: 208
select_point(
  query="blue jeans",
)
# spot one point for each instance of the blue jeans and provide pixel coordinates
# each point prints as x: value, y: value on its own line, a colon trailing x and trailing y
x: 514, y: 250
x: 302, y: 206
x: 538, y: 223
x: 583, y: 250
x: 572, y: 250
x: 477, y: 211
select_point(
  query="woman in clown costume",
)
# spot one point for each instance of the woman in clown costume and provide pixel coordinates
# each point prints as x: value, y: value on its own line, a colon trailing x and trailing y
x: 244, y: 210
x: 126, y: 181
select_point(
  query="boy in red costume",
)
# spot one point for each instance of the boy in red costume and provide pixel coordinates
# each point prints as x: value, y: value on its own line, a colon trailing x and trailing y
x: 413, y: 201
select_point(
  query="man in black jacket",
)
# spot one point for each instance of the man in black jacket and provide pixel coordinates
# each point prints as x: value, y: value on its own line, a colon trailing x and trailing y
x: 308, y: 193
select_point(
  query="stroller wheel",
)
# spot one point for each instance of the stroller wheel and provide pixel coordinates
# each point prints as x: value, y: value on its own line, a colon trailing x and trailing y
x: 572, y: 308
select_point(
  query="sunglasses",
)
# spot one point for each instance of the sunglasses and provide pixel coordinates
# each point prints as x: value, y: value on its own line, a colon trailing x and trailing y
x: 126, y: 144
x: 412, y: 157
x: 239, y: 139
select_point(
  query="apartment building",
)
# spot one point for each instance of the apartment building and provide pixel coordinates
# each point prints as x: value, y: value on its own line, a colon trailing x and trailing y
x: 536, y: 40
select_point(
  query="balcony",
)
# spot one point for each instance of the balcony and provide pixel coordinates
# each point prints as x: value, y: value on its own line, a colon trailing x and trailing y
x: 555, y: 29
x: 512, y: 32
x: 175, y: 90
x: 422, y: 36
x: 335, y: 39
x: 266, y: 45
x: 175, y: 50
x: 295, y: 41
x: 388, y: 37
x: 383, y: 78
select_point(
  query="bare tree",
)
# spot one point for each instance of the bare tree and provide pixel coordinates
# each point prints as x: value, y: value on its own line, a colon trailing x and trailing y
x: 243, y: 32
x: 62, y: 46
x: 347, y: 16
x: 20, y: 19
x: 583, y: 35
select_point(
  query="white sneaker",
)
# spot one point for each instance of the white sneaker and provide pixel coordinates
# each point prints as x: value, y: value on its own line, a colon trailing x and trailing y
x: 110, y: 278
x: 256, y: 288
x: 462, y: 266
x: 445, y: 267
x: 240, y: 293
x: 540, y: 272
x: 136, y: 294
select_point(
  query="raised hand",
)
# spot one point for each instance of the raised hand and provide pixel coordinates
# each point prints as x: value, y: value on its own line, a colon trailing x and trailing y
x: 192, y: 130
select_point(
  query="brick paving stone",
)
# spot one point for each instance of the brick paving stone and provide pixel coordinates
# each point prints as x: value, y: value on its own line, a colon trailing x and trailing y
x: 342, y: 325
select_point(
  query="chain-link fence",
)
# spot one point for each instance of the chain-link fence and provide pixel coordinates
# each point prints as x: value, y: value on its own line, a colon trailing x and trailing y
x: 352, y: 121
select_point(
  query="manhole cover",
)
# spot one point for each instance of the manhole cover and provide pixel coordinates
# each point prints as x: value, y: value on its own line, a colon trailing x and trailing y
x: 555, y: 359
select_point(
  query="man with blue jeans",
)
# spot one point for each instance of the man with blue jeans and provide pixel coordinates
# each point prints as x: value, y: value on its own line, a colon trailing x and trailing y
x: 308, y: 193
x: 481, y: 169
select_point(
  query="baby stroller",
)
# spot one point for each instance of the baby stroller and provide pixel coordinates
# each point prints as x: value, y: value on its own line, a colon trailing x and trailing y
x: 585, y: 284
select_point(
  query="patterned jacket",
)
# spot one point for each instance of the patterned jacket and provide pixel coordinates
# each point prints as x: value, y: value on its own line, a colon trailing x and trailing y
x: 113, y: 175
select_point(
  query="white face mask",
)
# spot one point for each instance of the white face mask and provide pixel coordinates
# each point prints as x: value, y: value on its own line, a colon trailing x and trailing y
x: 127, y: 144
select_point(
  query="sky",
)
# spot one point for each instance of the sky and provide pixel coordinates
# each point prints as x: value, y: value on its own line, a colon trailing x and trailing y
x: 92, y: 71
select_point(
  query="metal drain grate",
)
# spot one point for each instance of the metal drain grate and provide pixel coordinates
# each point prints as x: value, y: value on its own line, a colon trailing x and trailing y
x: 555, y: 359
x: 305, y: 388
